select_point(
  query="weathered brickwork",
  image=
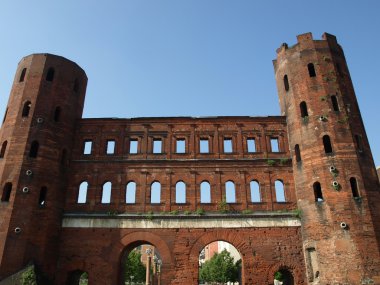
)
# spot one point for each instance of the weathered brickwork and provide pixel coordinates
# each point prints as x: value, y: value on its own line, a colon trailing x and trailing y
x: 77, y: 195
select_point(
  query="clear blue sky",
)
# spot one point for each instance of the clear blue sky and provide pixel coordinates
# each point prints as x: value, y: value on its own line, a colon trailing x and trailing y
x: 188, y: 58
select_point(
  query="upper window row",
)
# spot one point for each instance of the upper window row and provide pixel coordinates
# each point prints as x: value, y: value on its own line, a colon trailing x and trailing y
x: 49, y: 77
x: 180, y: 192
x: 311, y: 70
x: 157, y: 146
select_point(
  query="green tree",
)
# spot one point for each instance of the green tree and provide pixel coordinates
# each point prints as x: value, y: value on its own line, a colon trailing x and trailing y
x: 134, y: 267
x: 220, y: 268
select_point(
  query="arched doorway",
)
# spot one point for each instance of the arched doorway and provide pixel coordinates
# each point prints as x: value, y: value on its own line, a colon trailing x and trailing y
x: 220, y: 263
x: 285, y: 276
x: 77, y: 277
x: 141, y: 263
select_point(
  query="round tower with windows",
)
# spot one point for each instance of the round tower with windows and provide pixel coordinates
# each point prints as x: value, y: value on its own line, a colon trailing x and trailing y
x: 36, y: 136
x: 335, y: 177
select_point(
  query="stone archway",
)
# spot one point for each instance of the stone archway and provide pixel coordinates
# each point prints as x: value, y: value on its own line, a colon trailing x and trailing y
x: 226, y: 236
x: 290, y: 273
x: 130, y: 241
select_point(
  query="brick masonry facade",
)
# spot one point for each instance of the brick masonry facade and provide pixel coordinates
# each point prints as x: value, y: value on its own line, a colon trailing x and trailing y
x: 296, y: 193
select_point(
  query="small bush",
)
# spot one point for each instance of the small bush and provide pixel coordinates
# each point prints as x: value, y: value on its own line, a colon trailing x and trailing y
x: 271, y: 162
x: 200, y: 212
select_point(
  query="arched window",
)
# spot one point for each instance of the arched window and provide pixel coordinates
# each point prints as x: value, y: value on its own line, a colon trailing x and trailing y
x: 180, y: 192
x: 230, y: 192
x: 317, y: 192
x: 327, y: 144
x: 280, y: 192
x: 6, y: 192
x: 297, y: 152
x: 286, y: 83
x: 42, y: 198
x: 22, y: 76
x: 130, y: 195
x: 359, y: 143
x: 82, y: 193
x: 255, y: 191
x: 50, y: 74
x: 57, y: 114
x: 106, y: 194
x: 155, y: 193
x: 34, y: 149
x: 311, y: 69
x: 354, y: 187
x: 26, y: 109
x: 303, y: 108
x: 205, y: 192
x: 3, y: 149
x: 334, y: 102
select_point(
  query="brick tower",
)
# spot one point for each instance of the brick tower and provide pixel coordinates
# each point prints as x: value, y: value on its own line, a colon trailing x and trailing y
x: 37, y: 136
x: 334, y: 173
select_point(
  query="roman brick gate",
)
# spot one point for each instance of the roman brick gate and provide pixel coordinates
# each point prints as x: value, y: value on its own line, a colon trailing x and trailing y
x: 266, y: 243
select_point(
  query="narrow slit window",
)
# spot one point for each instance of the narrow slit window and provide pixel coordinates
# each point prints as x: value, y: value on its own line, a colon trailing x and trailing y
x: 5, y: 115
x: 155, y: 193
x: 354, y: 187
x: 42, y: 198
x: 6, y: 192
x: 280, y: 192
x: 33, y: 152
x: 180, y: 192
x: 50, y: 74
x: 251, y: 145
x: 26, y: 109
x: 327, y: 144
x: 110, y: 147
x: 87, y: 148
x: 230, y: 192
x: 227, y: 145
x: 180, y: 146
x: 359, y: 143
x: 57, y: 114
x: 3, y: 149
x: 130, y: 195
x: 22, y: 76
x: 204, y: 145
x: 157, y: 146
x: 205, y: 192
x: 297, y: 152
x: 311, y: 69
x: 106, y: 193
x: 303, y: 108
x: 334, y: 102
x: 317, y: 192
x: 274, y: 145
x: 133, y: 146
x: 286, y: 83
x: 82, y: 193
x: 255, y: 191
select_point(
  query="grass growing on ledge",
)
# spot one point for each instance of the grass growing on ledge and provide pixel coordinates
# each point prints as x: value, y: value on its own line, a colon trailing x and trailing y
x: 200, y: 212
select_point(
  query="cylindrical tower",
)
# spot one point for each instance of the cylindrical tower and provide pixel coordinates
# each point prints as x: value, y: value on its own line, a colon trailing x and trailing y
x: 36, y: 139
x: 335, y: 177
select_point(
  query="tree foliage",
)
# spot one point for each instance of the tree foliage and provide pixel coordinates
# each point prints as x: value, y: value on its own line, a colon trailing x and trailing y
x: 220, y: 268
x: 134, y: 267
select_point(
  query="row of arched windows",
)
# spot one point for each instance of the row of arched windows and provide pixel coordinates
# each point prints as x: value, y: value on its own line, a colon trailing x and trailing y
x: 26, y: 110
x: 7, y: 190
x: 49, y: 77
x: 312, y: 73
x: 180, y: 191
x: 318, y: 190
x: 326, y: 145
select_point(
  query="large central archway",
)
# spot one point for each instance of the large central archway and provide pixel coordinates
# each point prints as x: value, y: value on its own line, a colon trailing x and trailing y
x: 223, y: 236
x: 163, y: 255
